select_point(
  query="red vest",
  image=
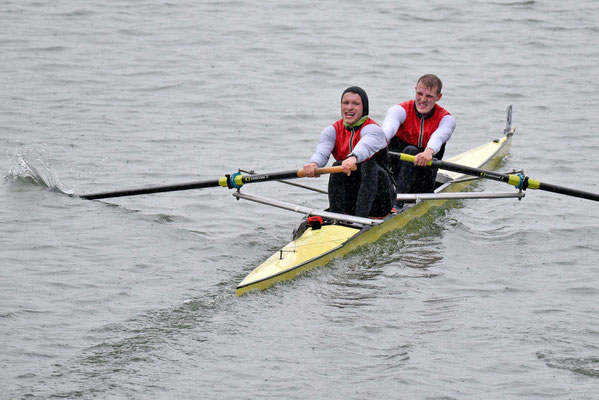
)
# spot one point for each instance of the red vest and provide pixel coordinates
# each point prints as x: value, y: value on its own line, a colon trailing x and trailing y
x: 346, y: 139
x: 415, y: 130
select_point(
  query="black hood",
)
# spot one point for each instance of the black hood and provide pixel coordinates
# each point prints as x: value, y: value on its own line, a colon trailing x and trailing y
x: 359, y: 91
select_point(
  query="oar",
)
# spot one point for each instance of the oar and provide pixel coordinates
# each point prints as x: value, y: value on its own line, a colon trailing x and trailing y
x: 519, y: 181
x: 235, y: 180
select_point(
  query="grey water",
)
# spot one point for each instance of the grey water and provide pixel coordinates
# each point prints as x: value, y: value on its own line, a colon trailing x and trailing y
x: 135, y: 297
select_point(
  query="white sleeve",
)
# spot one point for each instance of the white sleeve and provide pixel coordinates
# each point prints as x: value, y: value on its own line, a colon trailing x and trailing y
x: 325, y: 147
x: 396, y: 115
x: 372, y: 139
x: 442, y: 134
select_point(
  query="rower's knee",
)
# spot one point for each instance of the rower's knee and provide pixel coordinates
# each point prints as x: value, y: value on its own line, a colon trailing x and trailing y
x: 368, y: 167
x: 413, y: 150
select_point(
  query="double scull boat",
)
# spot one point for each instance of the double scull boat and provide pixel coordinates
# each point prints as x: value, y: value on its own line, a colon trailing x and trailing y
x: 324, y: 235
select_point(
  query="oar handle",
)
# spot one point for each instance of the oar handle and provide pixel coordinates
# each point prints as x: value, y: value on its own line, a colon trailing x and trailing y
x: 411, y: 158
x: 325, y: 170
x: 237, y: 180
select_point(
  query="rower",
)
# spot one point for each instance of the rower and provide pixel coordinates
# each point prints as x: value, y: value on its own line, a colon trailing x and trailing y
x: 418, y: 127
x: 356, y: 142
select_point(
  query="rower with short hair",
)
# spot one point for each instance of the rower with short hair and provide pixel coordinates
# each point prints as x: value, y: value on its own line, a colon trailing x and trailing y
x: 356, y: 141
x: 422, y: 128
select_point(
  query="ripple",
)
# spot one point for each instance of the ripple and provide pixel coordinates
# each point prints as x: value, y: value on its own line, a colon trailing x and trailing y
x: 587, y: 366
x: 125, y: 93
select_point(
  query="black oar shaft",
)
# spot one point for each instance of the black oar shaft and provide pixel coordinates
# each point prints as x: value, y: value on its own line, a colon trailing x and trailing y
x: 232, y: 181
x: 463, y: 169
x: 496, y: 176
x: 519, y: 181
x: 567, y: 191
x: 152, y: 189
x: 235, y: 180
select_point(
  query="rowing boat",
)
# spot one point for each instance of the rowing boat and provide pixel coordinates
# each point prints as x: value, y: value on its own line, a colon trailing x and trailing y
x: 324, y: 235
x: 332, y: 235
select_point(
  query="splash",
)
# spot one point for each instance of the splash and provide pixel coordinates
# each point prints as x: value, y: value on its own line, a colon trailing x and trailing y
x: 30, y: 166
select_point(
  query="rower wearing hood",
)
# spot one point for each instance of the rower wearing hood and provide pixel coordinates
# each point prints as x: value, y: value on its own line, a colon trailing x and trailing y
x: 355, y: 141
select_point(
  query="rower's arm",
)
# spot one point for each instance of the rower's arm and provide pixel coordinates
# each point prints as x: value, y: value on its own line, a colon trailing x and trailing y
x: 395, y: 116
x: 442, y: 134
x: 325, y: 147
x: 372, y: 139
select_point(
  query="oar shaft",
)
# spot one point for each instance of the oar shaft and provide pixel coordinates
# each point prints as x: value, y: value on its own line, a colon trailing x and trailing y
x: 519, y: 181
x: 463, y: 169
x: 233, y: 181
x: 564, y: 190
x: 153, y: 189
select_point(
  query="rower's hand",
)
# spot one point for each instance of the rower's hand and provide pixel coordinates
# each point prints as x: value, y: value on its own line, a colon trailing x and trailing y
x: 309, y: 170
x: 422, y: 159
x: 349, y: 164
